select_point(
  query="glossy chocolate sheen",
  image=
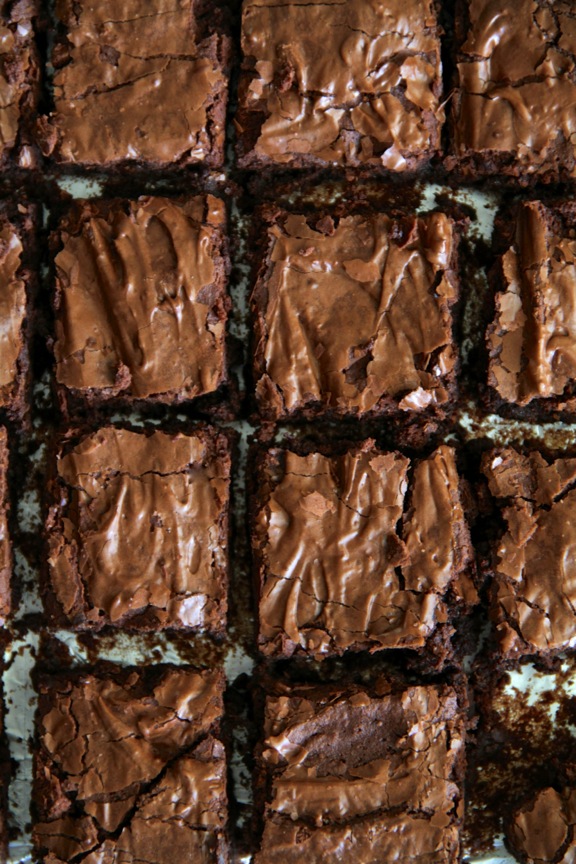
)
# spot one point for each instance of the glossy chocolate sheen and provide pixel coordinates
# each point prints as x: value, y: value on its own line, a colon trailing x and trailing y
x: 139, y: 530
x: 131, y: 771
x: 5, y: 544
x: 141, y: 300
x: 352, y: 777
x: 136, y: 83
x: 535, y: 578
x: 341, y: 83
x: 355, y: 315
x: 532, y: 342
x: 542, y: 831
x: 517, y: 86
x: 12, y: 311
x: 359, y: 550
x: 18, y: 75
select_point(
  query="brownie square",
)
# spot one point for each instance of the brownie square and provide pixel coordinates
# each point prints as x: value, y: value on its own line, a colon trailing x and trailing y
x: 130, y: 766
x: 19, y: 83
x: 366, y: 549
x: 17, y: 287
x: 350, y: 775
x: 532, y: 340
x: 137, y: 84
x: 350, y: 84
x: 542, y: 829
x: 5, y: 542
x: 533, y: 568
x: 353, y: 315
x: 513, y: 110
x: 137, y: 531
x: 140, y: 301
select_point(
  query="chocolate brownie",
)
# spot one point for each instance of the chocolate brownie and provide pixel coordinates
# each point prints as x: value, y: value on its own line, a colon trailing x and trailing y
x: 17, y: 289
x: 19, y: 82
x: 542, y: 830
x: 353, y: 315
x: 532, y: 340
x: 350, y: 84
x: 345, y: 774
x: 5, y: 542
x: 366, y: 549
x: 137, y: 531
x: 513, y: 111
x: 140, y: 301
x: 130, y: 766
x: 534, y: 589
x: 140, y: 85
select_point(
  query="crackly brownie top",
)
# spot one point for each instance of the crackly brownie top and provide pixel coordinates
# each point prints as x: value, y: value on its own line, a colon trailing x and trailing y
x: 532, y: 341
x: 141, y: 528
x: 373, y: 777
x: 12, y: 309
x: 140, y: 297
x: 133, y: 82
x: 542, y: 830
x: 344, y: 82
x: 130, y: 770
x: 517, y: 79
x: 535, y: 565
x: 16, y: 63
x: 355, y: 311
x: 358, y: 549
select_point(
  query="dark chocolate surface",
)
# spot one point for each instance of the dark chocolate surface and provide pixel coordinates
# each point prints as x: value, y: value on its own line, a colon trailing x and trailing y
x: 141, y: 301
x: 129, y: 767
x: 19, y: 81
x: 138, y: 530
x: 354, y: 315
x: 340, y: 83
x: 364, y: 550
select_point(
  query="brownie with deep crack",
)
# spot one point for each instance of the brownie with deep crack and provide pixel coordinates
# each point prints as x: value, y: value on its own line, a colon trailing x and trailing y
x: 532, y: 569
x: 354, y: 315
x: 349, y: 773
x: 513, y: 108
x: 138, y: 85
x: 137, y: 530
x: 532, y: 340
x: 339, y: 83
x: 19, y: 83
x: 129, y: 765
x: 140, y: 302
x: 364, y: 549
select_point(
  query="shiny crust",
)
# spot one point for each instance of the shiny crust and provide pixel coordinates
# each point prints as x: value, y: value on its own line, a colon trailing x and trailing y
x: 129, y: 766
x: 534, y: 594
x: 340, y: 83
x: 147, y: 89
x: 137, y: 531
x: 542, y: 830
x: 353, y: 776
x: 362, y: 550
x: 353, y: 315
x: 140, y: 299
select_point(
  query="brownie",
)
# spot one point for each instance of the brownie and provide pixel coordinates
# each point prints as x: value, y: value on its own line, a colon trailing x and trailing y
x: 349, y: 84
x: 137, y: 530
x: 362, y: 550
x: 513, y: 109
x: 345, y: 774
x: 5, y: 542
x: 19, y: 83
x: 542, y: 830
x: 138, y: 85
x: 140, y: 301
x: 532, y: 340
x: 17, y: 289
x: 353, y: 315
x: 534, y: 588
x: 130, y: 766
